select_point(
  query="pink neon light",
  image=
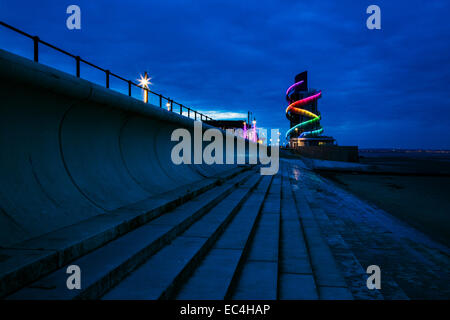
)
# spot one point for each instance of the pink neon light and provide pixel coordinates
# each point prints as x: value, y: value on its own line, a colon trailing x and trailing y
x: 304, y: 102
x: 293, y: 86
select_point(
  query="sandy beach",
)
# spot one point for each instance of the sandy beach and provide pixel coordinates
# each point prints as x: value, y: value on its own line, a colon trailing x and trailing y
x: 421, y: 201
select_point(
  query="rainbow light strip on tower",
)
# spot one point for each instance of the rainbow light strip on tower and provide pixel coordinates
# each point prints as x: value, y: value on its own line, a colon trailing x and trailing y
x: 295, y: 108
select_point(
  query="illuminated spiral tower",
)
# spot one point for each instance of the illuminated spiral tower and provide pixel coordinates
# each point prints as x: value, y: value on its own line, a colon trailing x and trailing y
x: 305, y: 128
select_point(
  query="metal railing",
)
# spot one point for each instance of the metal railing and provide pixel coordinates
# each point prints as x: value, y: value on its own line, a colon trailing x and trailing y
x: 108, y: 75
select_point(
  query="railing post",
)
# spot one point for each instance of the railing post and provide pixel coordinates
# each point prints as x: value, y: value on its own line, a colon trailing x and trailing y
x: 170, y: 102
x: 36, y: 48
x: 77, y: 59
x: 107, y: 78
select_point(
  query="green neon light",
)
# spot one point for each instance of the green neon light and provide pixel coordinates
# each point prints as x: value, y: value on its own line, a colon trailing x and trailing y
x: 301, y: 125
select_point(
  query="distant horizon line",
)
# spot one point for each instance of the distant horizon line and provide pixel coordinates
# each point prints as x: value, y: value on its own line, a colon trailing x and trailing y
x: 405, y: 149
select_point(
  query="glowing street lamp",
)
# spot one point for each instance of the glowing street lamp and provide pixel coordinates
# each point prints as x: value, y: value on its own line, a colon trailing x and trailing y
x: 245, y: 131
x: 168, y: 106
x: 144, y: 82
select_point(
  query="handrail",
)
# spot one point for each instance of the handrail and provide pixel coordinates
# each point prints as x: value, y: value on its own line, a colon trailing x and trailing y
x: 108, y: 73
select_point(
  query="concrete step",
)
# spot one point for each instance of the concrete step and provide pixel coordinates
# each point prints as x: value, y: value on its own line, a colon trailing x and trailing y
x: 391, y: 289
x: 258, y: 277
x: 296, y: 278
x: 329, y: 212
x: 104, y: 267
x: 30, y: 260
x: 162, y: 274
x: 351, y: 269
x: 213, y: 278
x: 370, y: 240
x: 328, y: 278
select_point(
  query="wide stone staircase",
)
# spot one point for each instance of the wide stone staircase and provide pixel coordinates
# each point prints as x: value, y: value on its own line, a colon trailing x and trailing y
x: 294, y: 235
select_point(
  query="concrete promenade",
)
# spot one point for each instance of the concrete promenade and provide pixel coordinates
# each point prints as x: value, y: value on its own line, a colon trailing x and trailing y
x: 295, y: 235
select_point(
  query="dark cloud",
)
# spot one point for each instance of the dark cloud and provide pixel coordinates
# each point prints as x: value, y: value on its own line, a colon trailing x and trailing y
x: 386, y: 88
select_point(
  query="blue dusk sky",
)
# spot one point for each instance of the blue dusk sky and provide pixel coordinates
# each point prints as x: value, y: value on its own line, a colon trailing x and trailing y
x: 381, y: 88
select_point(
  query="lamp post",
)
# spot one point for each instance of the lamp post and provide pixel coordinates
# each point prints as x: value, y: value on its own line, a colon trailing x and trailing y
x: 144, y: 82
x: 255, y: 139
x: 245, y: 131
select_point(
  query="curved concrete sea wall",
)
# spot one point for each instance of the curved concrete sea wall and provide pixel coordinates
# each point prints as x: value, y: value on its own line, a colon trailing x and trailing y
x: 71, y: 150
